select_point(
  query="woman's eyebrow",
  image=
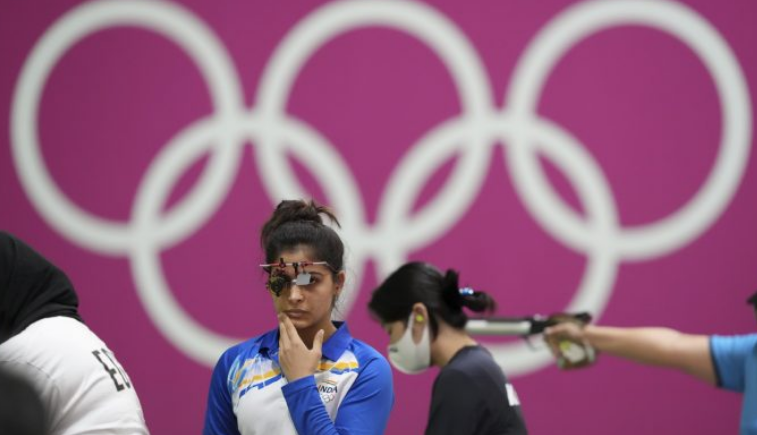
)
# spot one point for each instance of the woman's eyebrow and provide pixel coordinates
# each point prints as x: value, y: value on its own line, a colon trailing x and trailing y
x: 283, y: 272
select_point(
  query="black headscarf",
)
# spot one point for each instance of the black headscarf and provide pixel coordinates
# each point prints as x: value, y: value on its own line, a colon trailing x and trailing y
x: 31, y: 288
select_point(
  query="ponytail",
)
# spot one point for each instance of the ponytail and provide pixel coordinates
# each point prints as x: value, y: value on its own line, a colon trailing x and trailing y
x: 441, y: 294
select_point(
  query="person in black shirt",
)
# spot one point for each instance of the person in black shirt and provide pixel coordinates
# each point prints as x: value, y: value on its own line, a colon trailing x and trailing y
x: 422, y: 311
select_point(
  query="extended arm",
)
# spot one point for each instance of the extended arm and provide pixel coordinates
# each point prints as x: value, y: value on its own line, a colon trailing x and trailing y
x: 654, y: 346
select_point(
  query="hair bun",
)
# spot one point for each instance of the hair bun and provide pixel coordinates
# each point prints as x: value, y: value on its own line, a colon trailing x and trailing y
x: 476, y: 300
x: 296, y: 210
x: 299, y: 210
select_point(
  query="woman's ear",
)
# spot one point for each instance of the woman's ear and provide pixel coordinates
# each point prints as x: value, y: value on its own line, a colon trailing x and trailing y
x: 420, y: 319
x: 341, y: 278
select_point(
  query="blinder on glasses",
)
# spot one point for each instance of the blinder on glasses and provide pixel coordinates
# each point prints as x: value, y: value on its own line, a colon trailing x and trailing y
x: 278, y: 282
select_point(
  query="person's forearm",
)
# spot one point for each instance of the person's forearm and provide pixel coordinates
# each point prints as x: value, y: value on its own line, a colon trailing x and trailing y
x: 656, y: 346
x: 306, y: 408
x: 644, y: 345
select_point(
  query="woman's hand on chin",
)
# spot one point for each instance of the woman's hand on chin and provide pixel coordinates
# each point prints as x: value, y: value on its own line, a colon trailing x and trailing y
x: 295, y: 359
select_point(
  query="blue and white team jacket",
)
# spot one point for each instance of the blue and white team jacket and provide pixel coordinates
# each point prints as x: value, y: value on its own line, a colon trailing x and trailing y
x: 351, y: 393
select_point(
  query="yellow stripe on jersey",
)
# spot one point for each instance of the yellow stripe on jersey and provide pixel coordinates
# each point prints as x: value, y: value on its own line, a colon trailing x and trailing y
x: 265, y: 376
x: 338, y: 366
x: 246, y: 364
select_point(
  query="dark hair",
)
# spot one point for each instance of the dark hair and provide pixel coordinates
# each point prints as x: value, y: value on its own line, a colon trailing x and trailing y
x: 420, y: 282
x: 298, y: 223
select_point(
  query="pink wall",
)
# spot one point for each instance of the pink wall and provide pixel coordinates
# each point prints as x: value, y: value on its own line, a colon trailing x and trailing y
x: 653, y: 224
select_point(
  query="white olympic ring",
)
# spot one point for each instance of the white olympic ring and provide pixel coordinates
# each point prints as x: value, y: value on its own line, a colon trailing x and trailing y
x: 396, y: 231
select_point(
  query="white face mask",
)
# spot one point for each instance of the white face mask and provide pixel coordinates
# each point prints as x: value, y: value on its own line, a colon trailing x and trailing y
x: 408, y: 357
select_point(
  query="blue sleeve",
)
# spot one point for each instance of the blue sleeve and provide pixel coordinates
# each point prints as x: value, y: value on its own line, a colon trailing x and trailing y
x: 729, y: 356
x: 364, y: 411
x: 366, y: 408
x: 219, y: 415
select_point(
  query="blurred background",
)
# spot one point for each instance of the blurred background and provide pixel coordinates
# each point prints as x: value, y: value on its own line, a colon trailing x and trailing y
x: 561, y: 155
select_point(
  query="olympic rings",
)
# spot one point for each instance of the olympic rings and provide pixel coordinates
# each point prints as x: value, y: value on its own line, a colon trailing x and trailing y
x: 397, y: 231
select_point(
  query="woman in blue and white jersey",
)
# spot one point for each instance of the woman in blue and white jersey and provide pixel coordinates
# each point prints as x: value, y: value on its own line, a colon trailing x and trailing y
x: 309, y: 375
